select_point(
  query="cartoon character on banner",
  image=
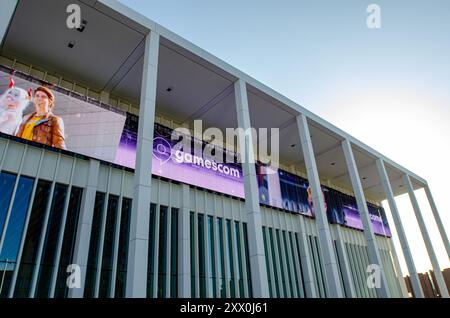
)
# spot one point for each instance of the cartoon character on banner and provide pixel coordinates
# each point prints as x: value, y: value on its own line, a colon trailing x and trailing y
x: 310, y: 200
x: 12, y: 105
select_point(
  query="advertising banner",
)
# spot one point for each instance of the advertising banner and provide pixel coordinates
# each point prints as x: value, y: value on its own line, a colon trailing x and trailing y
x: 47, y: 114
x: 55, y: 117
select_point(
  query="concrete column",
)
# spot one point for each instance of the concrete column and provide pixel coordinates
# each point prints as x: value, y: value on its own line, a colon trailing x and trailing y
x: 426, y: 238
x: 415, y: 282
x: 83, y: 237
x: 438, y: 220
x: 345, y: 265
x: 325, y: 241
x: 372, y: 246
x: 140, y: 213
x: 258, y: 270
x: 184, y: 245
x: 6, y: 15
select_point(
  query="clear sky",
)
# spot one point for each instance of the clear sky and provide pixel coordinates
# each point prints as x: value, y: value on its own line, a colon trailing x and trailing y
x: 388, y: 87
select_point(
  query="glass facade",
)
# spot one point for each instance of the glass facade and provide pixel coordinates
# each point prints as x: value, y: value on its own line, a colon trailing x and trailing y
x: 108, y: 249
x: 45, y: 268
x: 124, y: 235
x: 12, y: 230
x: 39, y: 224
x: 38, y: 235
x: 94, y: 245
x: 68, y: 243
x: 32, y: 239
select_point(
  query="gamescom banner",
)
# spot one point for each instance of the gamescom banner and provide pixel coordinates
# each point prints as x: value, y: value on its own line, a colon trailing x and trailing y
x: 44, y: 113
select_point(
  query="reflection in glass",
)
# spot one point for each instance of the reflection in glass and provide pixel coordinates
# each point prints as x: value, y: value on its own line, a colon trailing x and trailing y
x: 162, y: 257
x: 51, y: 238
x: 13, y: 235
x: 151, y: 251
x: 32, y: 238
x: 68, y: 244
x: 122, y: 257
x: 94, y: 245
x: 108, y: 246
x: 174, y: 255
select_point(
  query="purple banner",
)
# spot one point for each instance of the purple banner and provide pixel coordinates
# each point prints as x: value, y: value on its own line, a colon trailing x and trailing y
x: 45, y: 113
x: 279, y: 189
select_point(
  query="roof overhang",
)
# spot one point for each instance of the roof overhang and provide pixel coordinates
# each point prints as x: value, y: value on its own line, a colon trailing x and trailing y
x: 108, y: 56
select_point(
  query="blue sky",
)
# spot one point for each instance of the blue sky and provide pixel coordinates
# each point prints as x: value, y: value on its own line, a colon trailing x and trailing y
x: 388, y: 87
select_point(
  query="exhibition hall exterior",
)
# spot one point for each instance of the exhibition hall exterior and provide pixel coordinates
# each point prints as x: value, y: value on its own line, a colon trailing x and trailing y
x: 96, y: 200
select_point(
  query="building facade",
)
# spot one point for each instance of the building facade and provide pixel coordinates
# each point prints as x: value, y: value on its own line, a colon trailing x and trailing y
x: 79, y: 222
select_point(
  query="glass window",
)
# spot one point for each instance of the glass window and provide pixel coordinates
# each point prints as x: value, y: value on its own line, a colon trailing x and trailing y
x: 240, y: 274
x: 274, y: 262
x: 296, y: 243
x: 51, y: 240
x: 32, y: 239
x: 174, y: 255
x: 201, y: 255
x: 288, y: 263
x: 162, y: 257
x: 122, y: 257
x: 211, y: 257
x: 13, y: 235
x: 151, y: 251
x: 247, y: 260
x: 108, y: 246
x: 341, y: 277
x: 68, y: 245
x: 7, y: 185
x: 313, y: 255
x: 221, y: 264
x: 94, y: 245
x: 266, y: 253
x: 279, y: 243
x: 192, y: 232
x: 298, y: 282
x: 229, y: 243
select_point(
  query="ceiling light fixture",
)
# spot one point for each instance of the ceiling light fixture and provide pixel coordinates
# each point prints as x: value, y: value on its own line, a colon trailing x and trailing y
x: 169, y: 89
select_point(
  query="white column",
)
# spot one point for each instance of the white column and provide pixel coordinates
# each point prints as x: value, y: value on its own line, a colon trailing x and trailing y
x: 426, y: 238
x: 372, y: 246
x: 325, y: 242
x: 140, y: 213
x: 258, y: 270
x: 83, y: 237
x: 438, y: 220
x: 184, y: 245
x: 415, y: 281
x: 6, y: 15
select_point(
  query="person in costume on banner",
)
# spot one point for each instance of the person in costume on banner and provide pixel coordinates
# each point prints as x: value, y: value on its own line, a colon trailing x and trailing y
x: 12, y: 104
x: 42, y: 125
x: 310, y: 200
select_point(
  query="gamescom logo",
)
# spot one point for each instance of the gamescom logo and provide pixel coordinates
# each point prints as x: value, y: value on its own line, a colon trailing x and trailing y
x: 162, y: 151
